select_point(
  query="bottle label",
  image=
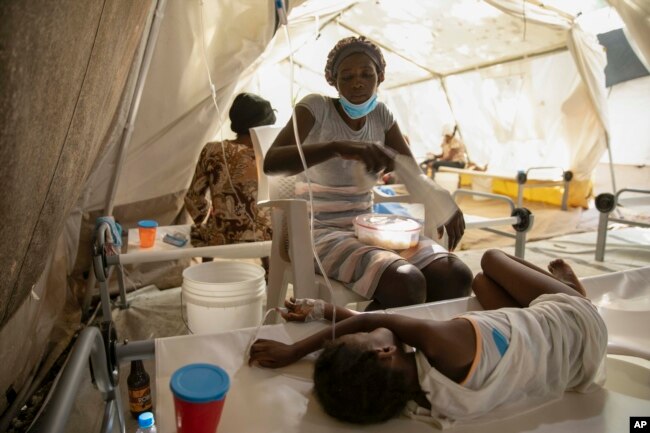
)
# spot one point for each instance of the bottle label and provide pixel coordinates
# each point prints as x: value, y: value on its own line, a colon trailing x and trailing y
x: 140, y: 399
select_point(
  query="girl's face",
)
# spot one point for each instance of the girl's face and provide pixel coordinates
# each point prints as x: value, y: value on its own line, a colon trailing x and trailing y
x: 356, y: 78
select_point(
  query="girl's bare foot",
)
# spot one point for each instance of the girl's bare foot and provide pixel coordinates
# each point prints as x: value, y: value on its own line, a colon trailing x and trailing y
x: 563, y: 272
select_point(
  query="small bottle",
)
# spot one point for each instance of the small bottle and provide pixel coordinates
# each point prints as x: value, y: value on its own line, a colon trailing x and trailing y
x: 139, y: 389
x: 146, y: 423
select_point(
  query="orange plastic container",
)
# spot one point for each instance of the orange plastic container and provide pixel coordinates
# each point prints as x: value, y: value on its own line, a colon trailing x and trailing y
x: 147, y: 232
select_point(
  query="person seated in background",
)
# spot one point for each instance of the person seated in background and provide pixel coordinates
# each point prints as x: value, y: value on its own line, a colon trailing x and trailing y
x: 227, y: 169
x: 346, y: 143
x: 453, y: 153
x: 538, y: 337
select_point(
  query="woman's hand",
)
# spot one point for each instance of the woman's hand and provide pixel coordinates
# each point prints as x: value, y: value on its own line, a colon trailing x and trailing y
x: 455, y: 229
x: 371, y: 154
x: 272, y: 354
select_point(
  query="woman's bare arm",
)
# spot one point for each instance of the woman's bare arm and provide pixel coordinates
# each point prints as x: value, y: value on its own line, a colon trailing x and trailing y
x: 395, y: 140
x: 283, y: 157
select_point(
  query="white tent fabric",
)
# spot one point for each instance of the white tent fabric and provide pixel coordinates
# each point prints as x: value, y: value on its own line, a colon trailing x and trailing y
x: 628, y: 109
x: 590, y: 60
x: 177, y: 115
x: 428, y: 44
x: 534, y: 124
x: 636, y: 15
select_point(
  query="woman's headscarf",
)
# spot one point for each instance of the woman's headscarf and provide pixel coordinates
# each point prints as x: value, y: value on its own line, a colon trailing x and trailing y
x: 248, y: 111
x: 347, y: 46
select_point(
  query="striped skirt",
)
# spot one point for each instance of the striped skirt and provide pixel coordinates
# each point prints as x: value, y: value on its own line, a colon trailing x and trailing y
x: 359, y: 266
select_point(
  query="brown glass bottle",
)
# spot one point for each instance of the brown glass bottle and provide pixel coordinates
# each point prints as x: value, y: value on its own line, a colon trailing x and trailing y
x: 139, y: 389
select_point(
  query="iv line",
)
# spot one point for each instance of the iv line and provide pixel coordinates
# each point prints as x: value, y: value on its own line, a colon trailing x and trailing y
x: 303, y: 160
x: 223, y: 149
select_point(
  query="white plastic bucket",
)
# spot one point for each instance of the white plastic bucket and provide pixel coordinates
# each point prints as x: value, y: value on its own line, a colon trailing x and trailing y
x: 223, y: 295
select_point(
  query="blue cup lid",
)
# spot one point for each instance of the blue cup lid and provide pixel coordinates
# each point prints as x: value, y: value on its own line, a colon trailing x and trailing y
x: 145, y: 419
x: 200, y: 383
x: 147, y: 224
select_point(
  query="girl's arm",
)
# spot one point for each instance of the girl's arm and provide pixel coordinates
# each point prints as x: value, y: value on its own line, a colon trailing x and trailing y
x: 304, y: 310
x: 449, y: 345
x: 273, y: 354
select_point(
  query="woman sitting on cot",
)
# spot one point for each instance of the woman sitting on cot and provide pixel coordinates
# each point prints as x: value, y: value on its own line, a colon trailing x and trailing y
x: 538, y: 337
x: 343, y: 139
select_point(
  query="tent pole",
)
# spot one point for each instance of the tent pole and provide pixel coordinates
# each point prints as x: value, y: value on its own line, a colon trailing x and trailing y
x: 433, y: 73
x: 609, y: 154
x: 321, y: 26
x: 135, y: 104
x: 481, y: 66
x: 554, y: 50
x: 443, y: 84
x: 451, y: 109
x: 611, y: 163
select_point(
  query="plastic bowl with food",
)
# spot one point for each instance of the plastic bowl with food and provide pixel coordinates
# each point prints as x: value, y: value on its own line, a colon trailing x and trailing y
x: 394, y: 232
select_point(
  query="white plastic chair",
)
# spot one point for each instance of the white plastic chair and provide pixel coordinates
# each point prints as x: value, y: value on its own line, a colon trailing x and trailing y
x: 291, y: 260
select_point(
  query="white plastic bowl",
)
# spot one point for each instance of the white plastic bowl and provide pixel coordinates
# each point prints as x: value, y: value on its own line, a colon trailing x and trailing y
x: 394, y: 232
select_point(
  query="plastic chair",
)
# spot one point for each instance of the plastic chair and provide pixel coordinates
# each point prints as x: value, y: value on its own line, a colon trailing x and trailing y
x: 291, y: 260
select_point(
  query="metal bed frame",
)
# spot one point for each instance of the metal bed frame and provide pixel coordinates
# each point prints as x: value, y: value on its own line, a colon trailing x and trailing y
x: 105, y: 372
x: 520, y: 218
x: 522, y: 177
x: 606, y: 203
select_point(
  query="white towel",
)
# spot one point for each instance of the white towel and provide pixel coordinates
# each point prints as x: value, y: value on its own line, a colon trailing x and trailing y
x: 439, y: 206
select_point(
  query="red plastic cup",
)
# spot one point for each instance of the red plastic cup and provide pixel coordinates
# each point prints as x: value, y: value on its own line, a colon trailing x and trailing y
x: 147, y: 232
x: 199, y: 394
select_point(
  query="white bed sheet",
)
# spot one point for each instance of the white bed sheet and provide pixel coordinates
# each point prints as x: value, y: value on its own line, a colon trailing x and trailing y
x: 262, y: 400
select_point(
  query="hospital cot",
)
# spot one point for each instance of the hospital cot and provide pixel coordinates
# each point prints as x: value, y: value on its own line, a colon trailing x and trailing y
x: 262, y: 400
x: 533, y: 177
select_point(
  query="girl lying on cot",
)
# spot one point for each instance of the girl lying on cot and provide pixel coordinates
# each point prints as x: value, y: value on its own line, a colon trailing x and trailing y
x: 538, y: 337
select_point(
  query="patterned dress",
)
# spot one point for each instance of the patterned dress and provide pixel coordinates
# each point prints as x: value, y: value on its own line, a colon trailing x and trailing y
x: 232, y: 215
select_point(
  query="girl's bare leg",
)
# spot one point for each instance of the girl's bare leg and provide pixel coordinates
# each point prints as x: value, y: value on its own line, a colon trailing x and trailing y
x: 490, y: 294
x: 521, y: 280
x: 558, y: 269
